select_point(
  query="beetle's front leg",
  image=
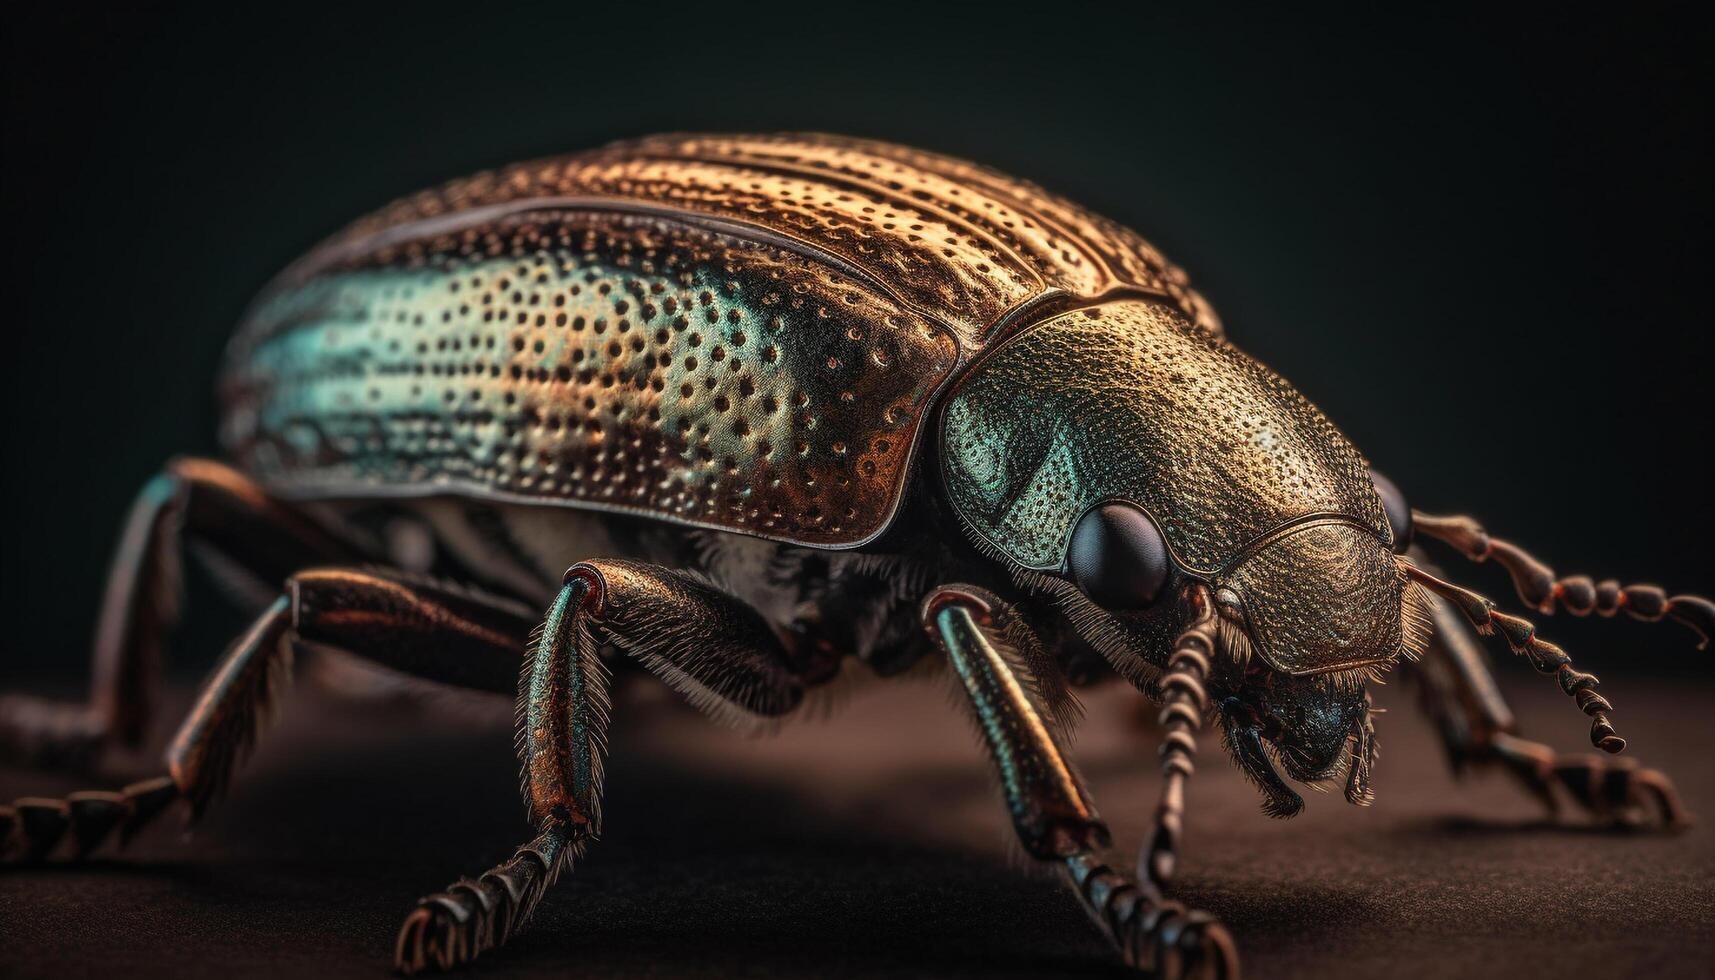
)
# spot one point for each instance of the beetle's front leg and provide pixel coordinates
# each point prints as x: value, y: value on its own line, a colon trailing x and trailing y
x: 708, y: 645
x: 1054, y: 819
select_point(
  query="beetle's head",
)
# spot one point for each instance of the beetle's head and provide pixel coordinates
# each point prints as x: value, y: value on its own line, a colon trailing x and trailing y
x: 1306, y: 619
x: 1112, y: 456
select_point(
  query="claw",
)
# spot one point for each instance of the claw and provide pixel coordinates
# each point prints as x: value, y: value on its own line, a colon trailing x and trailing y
x: 1624, y: 795
x: 1613, y: 791
x: 433, y: 936
x: 1195, y: 944
x: 471, y: 917
x: 1161, y: 938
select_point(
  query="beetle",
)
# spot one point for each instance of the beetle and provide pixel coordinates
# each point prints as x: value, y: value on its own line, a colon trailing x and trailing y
x: 785, y: 402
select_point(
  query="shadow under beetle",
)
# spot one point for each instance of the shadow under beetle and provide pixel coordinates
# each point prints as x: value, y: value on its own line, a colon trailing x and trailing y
x: 784, y: 401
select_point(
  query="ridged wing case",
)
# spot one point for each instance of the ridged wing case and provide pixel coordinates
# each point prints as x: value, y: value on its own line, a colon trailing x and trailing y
x: 744, y: 333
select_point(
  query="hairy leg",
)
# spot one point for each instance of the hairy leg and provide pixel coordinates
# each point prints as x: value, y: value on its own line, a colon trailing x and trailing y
x: 433, y: 631
x: 262, y: 538
x: 1053, y: 817
x: 706, y: 644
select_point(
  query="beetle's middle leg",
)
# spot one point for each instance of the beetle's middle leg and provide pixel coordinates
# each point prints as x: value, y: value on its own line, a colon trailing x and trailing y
x: 1477, y: 727
x: 711, y: 647
x: 1054, y: 818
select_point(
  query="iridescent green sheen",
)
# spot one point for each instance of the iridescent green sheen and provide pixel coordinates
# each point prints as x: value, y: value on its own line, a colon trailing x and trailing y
x: 603, y: 363
x: 564, y: 715
x: 1042, y: 794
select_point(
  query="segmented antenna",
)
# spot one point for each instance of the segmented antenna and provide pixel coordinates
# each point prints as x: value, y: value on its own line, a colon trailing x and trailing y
x: 1547, y: 658
x: 1541, y: 589
x: 1183, y: 703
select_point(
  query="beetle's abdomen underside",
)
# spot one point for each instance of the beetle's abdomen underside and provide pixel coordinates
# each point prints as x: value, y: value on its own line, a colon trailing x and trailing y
x: 745, y: 333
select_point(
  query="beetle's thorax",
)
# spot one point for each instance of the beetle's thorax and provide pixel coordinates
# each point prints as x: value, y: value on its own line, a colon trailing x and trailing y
x: 1127, y: 400
x: 1253, y: 489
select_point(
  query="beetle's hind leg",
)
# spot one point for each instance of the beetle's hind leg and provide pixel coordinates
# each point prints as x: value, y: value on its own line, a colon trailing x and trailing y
x: 428, y: 630
x: 199, y: 499
x: 708, y: 645
x: 1054, y: 819
x: 1477, y: 727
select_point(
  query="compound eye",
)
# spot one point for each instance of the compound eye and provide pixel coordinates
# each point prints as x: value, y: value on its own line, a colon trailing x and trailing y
x: 1118, y: 557
x: 1398, y: 512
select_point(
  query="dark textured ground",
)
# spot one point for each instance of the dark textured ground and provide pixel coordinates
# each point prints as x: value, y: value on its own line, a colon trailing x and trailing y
x: 871, y: 845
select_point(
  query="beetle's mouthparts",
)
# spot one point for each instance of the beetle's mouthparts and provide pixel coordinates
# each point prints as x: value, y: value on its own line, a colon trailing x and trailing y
x: 1316, y: 733
x: 1364, y: 751
x: 1244, y: 740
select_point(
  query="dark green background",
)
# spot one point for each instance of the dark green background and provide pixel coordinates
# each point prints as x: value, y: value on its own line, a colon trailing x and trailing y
x: 1479, y: 241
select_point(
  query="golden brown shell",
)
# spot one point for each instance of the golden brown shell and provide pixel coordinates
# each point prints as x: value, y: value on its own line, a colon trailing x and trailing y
x: 744, y: 333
